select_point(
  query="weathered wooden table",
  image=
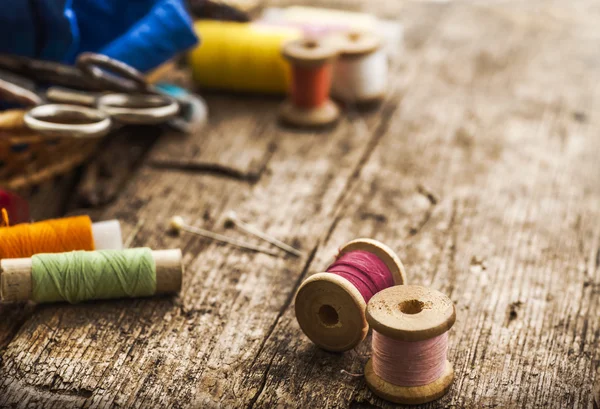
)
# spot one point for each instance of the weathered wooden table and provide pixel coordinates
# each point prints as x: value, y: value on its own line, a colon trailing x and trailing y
x: 481, y: 169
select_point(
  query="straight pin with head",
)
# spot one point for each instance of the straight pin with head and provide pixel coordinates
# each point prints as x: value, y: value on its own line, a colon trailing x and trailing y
x: 177, y: 224
x: 232, y: 218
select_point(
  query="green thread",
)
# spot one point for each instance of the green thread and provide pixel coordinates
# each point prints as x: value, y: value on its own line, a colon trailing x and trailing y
x: 93, y: 275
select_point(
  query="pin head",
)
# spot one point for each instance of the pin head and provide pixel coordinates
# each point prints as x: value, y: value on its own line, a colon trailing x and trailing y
x: 176, y: 223
x: 230, y: 218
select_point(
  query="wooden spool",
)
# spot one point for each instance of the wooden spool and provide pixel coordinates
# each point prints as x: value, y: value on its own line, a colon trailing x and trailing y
x: 354, y: 46
x: 331, y: 311
x: 410, y: 313
x: 309, y: 54
x: 16, y: 284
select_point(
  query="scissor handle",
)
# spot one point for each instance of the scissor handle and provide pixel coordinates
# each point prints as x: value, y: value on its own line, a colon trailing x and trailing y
x: 138, y: 108
x: 112, y: 74
x: 63, y: 120
x: 46, y: 71
x: 14, y: 92
x: 61, y: 95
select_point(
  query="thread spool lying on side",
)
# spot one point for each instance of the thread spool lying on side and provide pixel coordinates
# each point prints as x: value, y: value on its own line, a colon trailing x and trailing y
x: 107, y: 235
x: 410, y: 330
x: 360, y: 72
x: 18, y: 280
x: 309, y: 104
x: 331, y: 309
x: 241, y: 57
x: 59, y: 235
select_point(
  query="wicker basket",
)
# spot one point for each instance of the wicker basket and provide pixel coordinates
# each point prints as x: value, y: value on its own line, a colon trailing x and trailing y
x: 28, y: 158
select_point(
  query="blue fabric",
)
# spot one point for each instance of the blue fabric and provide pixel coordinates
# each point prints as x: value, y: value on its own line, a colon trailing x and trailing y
x: 23, y: 26
x: 143, y: 33
x: 155, y: 38
x: 55, y: 21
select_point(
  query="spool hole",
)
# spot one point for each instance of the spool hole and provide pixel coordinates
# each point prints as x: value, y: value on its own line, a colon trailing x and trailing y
x: 310, y: 44
x: 328, y: 315
x: 411, y: 307
x: 354, y: 36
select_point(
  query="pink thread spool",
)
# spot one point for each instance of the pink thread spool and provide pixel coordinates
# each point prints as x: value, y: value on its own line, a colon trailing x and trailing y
x: 410, y: 341
x: 330, y: 306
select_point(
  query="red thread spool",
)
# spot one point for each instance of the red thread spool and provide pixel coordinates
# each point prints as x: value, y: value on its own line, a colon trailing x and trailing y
x: 309, y: 104
x: 16, y: 207
x: 330, y: 306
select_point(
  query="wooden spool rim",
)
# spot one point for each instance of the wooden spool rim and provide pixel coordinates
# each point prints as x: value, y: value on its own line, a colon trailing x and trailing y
x: 409, y: 395
x: 334, y: 293
x: 321, y: 116
x: 309, y: 52
x: 383, y: 252
x: 353, y: 44
x: 410, y: 313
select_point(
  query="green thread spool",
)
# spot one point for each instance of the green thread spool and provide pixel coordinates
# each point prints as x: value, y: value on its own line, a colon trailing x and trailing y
x: 91, y: 275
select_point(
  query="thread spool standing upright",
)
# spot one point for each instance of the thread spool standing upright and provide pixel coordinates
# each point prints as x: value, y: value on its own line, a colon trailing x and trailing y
x: 309, y: 104
x: 410, y: 331
x: 360, y: 72
x: 331, y: 310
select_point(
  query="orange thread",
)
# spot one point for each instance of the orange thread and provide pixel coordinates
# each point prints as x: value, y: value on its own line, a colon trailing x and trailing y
x: 5, y: 222
x: 310, y: 85
x: 50, y: 236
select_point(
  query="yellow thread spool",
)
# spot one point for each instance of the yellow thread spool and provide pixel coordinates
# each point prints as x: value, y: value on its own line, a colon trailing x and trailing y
x: 242, y: 57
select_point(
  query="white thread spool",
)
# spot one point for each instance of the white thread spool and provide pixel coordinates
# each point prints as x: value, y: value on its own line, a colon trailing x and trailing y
x: 107, y: 235
x: 361, y: 71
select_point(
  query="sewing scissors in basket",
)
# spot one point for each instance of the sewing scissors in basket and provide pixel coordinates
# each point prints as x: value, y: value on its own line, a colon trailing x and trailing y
x: 124, y: 98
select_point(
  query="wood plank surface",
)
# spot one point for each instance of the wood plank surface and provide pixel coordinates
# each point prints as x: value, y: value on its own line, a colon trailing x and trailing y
x: 480, y: 169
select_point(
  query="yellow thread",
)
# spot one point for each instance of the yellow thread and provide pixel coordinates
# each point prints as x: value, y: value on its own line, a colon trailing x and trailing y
x: 242, y: 57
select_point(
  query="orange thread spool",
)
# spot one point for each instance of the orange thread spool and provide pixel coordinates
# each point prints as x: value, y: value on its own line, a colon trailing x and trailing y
x: 310, y: 86
x: 50, y: 236
x: 309, y: 103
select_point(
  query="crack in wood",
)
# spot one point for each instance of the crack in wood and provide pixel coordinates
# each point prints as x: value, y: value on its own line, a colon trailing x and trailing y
x: 208, y: 168
x: 57, y: 379
x: 384, y: 123
x: 512, y: 312
x: 22, y: 313
x: 428, y: 193
x: 288, y: 301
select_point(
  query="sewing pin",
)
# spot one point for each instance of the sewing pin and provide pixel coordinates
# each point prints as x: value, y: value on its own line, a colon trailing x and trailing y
x: 232, y: 217
x: 178, y: 224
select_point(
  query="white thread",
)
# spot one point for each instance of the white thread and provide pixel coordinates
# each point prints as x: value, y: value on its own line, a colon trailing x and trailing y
x: 360, y: 78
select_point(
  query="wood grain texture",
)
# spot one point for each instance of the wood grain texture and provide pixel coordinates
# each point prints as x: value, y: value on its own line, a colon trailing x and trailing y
x: 480, y: 170
x: 234, y: 122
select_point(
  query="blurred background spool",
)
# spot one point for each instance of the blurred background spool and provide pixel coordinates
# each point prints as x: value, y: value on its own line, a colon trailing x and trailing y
x: 309, y: 104
x: 361, y: 69
x: 241, y: 57
x: 316, y: 22
x: 331, y: 310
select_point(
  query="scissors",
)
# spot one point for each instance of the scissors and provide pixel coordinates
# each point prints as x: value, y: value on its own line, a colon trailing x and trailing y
x: 110, y: 93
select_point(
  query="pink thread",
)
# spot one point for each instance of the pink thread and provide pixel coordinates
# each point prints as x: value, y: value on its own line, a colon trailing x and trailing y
x: 367, y: 272
x: 405, y: 363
